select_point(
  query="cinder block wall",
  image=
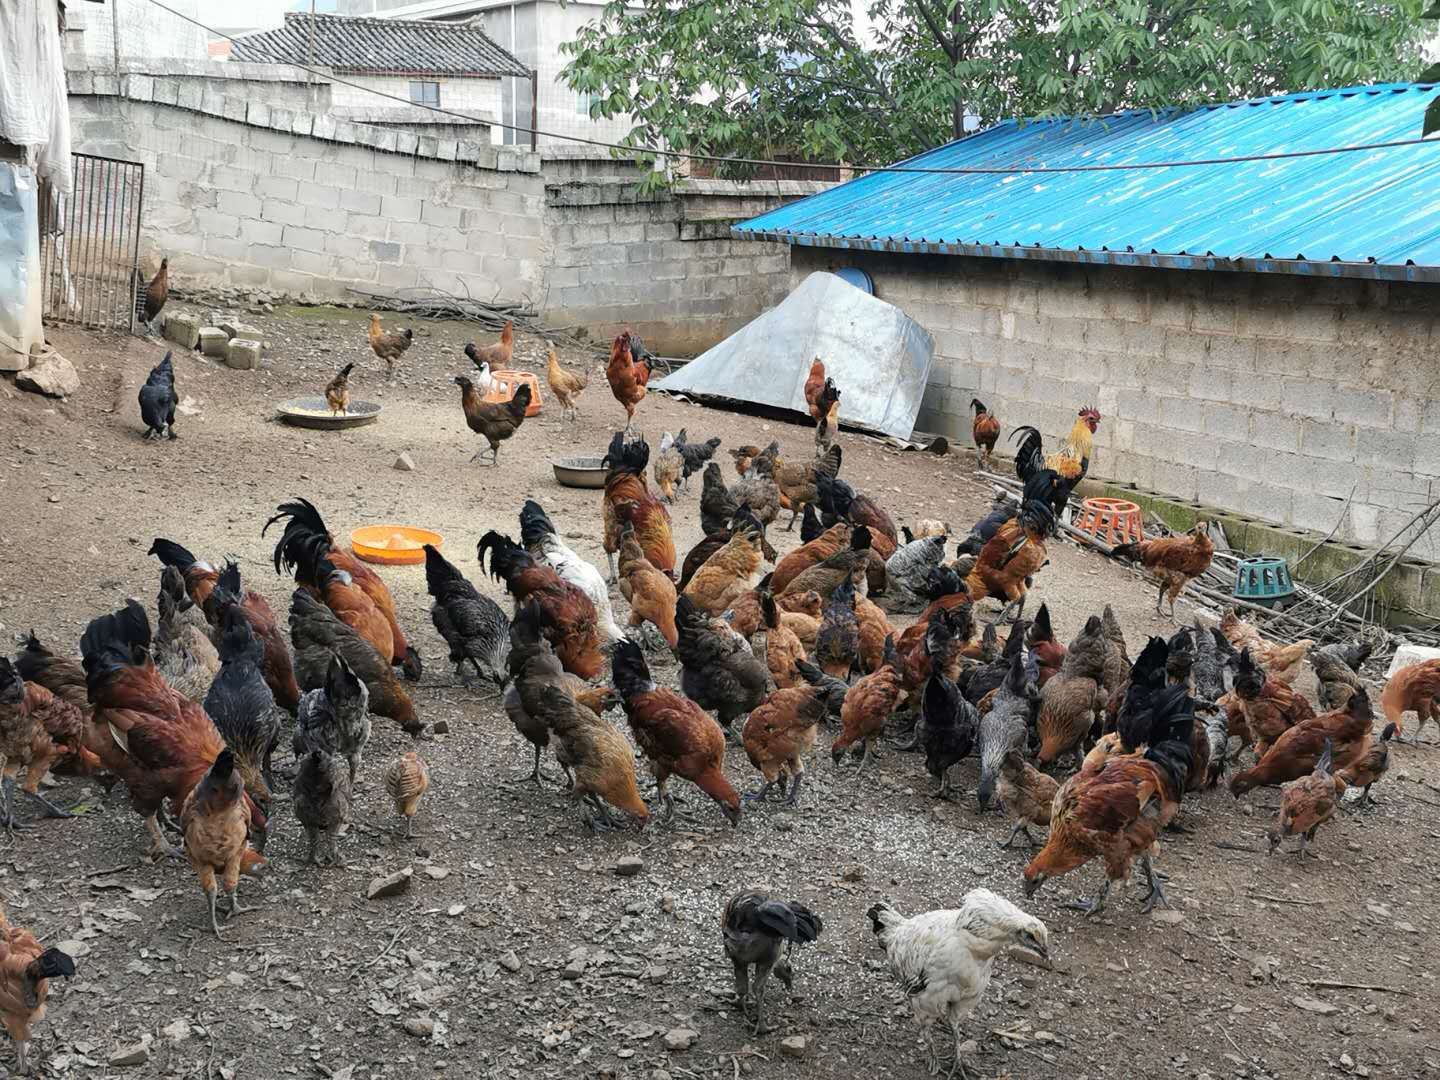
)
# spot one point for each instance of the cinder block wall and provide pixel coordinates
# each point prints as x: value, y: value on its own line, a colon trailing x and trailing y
x: 663, y: 263
x: 239, y: 193
x: 1269, y: 395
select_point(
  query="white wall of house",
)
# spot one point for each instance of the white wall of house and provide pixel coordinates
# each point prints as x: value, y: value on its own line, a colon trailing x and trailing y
x: 473, y: 96
x: 146, y: 32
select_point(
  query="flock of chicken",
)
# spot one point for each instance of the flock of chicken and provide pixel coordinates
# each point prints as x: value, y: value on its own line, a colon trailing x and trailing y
x: 189, y: 713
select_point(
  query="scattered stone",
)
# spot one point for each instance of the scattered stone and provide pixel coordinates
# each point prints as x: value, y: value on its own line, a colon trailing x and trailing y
x: 234, y: 329
x: 629, y: 866
x: 54, y: 499
x: 680, y: 1039
x: 437, y: 873
x: 183, y: 330
x: 394, y: 885
x: 969, y: 1046
x: 177, y: 1030
x: 853, y: 873
x: 419, y: 1027
x: 656, y: 973
x: 574, y: 969
x: 1314, y: 1005
x: 53, y: 376
x: 242, y: 354
x: 404, y: 463
x: 441, y: 727
x: 509, y: 961
x: 454, y: 910
x: 796, y: 1046
x: 74, y: 949
x: 213, y: 341
x: 135, y: 1054
x: 1167, y: 916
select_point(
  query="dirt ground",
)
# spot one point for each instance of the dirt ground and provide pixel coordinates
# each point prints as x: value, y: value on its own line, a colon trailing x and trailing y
x: 467, y: 973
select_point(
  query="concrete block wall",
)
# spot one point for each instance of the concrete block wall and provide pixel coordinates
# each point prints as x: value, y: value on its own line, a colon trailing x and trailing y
x: 1269, y: 395
x: 663, y: 264
x: 243, y: 194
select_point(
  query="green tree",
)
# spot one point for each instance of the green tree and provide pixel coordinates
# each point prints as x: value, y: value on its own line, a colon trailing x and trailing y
x: 756, y: 78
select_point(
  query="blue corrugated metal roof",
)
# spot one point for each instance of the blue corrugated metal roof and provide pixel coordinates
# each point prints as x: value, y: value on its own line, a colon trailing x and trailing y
x: 1368, y: 213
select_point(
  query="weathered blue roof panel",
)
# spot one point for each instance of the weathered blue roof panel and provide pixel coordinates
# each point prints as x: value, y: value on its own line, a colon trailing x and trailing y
x: 1368, y: 213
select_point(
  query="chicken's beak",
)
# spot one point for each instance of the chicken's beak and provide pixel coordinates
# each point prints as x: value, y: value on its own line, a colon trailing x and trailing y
x: 1041, y: 949
x: 1032, y: 884
x: 733, y: 814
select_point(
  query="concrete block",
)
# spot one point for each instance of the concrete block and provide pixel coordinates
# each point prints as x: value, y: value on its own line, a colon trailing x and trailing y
x: 285, y: 213
x: 269, y: 256
x: 1367, y: 408
x: 312, y: 262
x: 304, y: 239
x: 1270, y: 431
x: 238, y: 204
x: 384, y: 252
x: 396, y: 209
x: 1309, y: 398
x: 332, y: 221
x: 183, y: 330
x: 213, y: 341
x: 363, y: 202
x: 243, y: 354
x: 1211, y: 383
x: 240, y: 330
x: 1182, y: 414
x: 1227, y: 422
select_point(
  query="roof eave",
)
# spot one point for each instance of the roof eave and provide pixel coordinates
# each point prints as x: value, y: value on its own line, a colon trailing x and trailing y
x: 1405, y: 272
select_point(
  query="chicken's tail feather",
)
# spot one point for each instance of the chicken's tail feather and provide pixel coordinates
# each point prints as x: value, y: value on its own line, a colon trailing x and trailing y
x: 535, y: 524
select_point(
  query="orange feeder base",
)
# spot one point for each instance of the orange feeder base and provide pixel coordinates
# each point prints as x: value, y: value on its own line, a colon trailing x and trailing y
x: 1113, y: 521
x: 507, y: 382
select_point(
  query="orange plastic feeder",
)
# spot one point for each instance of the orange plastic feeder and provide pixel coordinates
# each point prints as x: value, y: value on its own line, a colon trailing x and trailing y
x: 1113, y: 521
x: 393, y: 545
x: 507, y: 382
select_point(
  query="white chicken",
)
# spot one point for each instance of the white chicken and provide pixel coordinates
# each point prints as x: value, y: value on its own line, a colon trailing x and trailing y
x: 942, y: 959
x: 538, y: 534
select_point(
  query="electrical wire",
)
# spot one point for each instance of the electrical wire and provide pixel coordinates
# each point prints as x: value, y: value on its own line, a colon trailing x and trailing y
x: 1024, y: 170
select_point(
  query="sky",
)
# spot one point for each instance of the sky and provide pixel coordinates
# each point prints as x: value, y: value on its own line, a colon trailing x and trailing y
x: 257, y: 12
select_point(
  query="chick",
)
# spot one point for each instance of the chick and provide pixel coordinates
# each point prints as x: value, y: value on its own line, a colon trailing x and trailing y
x: 407, y: 779
x: 754, y: 926
x: 337, y: 392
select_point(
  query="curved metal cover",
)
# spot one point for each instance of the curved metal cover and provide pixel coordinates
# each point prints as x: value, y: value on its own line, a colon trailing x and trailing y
x: 878, y: 356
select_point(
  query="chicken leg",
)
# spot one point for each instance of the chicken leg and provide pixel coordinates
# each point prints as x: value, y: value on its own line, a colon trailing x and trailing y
x: 159, y: 846
x: 794, y: 799
x: 1020, y: 829
x: 1092, y: 907
x: 762, y: 975
x: 10, y: 823
x: 1156, y: 894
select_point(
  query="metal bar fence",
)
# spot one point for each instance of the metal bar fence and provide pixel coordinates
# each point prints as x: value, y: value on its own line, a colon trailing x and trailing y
x: 90, y: 245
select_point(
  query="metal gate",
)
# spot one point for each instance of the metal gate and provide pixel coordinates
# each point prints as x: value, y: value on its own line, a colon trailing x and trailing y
x: 90, y: 243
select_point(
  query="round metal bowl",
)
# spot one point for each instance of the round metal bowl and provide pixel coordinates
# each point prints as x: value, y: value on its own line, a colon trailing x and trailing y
x: 314, y: 412
x: 579, y: 472
x: 393, y: 545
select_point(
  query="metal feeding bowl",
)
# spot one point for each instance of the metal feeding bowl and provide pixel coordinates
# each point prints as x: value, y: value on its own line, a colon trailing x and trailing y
x: 579, y: 472
x: 315, y: 412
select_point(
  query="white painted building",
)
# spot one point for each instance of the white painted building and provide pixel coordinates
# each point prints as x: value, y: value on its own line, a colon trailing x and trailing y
x: 533, y: 31
x: 405, y: 68
x: 146, y: 32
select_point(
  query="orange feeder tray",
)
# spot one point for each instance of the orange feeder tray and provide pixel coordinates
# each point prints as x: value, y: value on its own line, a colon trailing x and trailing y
x: 1113, y: 521
x: 393, y: 545
x: 507, y: 382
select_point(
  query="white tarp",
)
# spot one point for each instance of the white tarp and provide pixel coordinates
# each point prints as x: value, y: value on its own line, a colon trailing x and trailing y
x: 19, y: 267
x: 34, y: 111
x: 879, y: 357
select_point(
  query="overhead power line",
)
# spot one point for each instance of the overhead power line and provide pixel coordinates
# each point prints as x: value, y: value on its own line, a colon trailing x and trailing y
x: 1008, y: 170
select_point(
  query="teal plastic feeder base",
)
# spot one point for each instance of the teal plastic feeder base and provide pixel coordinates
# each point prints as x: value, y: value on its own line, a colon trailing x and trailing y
x: 1264, y: 581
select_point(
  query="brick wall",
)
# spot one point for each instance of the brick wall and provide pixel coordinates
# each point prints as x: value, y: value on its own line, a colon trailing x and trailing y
x: 242, y: 193
x: 1265, y: 394
x: 663, y: 263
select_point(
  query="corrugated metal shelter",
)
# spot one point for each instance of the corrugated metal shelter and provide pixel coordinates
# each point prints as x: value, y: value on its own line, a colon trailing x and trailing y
x: 1367, y: 213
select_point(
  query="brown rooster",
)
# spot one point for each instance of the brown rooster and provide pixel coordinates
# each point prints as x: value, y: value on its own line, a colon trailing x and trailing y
x: 628, y: 500
x: 677, y: 735
x: 302, y: 524
x: 567, y: 616
x: 200, y: 580
x: 158, y: 742
x: 499, y: 354
x: 495, y: 420
x: 37, y: 730
x: 1175, y: 560
x: 25, y: 974
x: 388, y: 345
x: 1412, y: 689
x: 814, y: 383
x: 157, y: 292
x: 1117, y: 812
x: 985, y: 430
x: 627, y: 376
